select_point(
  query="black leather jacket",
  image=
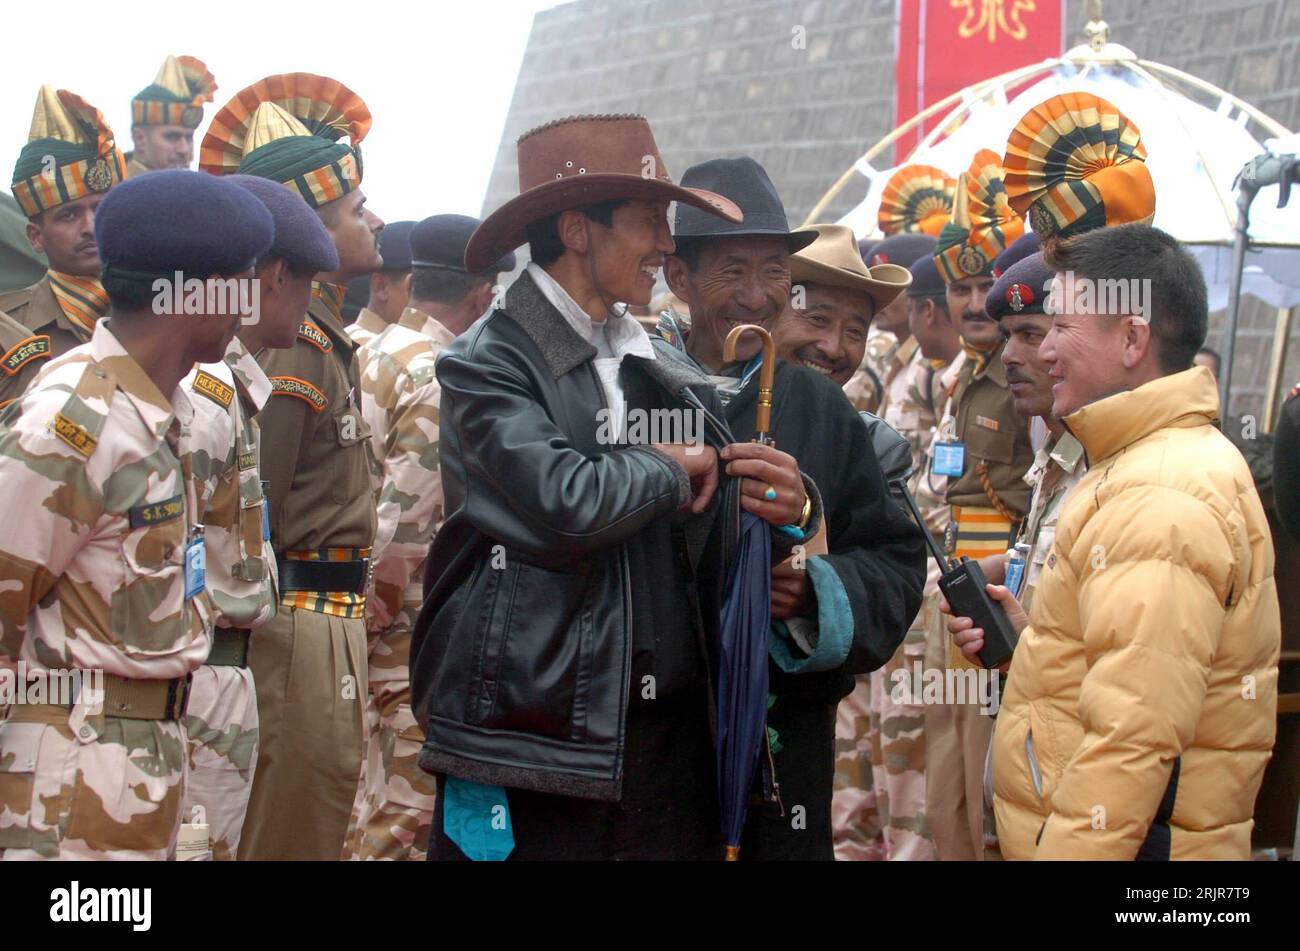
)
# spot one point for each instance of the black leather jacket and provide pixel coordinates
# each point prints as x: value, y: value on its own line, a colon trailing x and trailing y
x: 520, y: 658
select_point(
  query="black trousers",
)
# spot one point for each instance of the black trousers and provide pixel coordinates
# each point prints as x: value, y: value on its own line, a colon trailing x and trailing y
x: 805, y: 768
x: 669, y: 809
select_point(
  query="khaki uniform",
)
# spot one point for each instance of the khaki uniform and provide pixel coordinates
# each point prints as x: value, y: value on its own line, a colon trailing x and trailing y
x: 135, y: 167
x: 94, y: 579
x: 221, y: 722
x: 987, y: 499
x: 366, y: 327
x: 309, y: 661
x: 49, y: 333
x: 882, y: 815
x: 399, y: 397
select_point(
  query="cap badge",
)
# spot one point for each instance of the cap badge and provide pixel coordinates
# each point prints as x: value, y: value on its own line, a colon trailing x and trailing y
x: 1019, y: 296
x: 99, y: 177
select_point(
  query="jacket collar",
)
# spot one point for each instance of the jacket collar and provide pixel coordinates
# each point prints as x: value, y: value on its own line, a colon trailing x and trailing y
x: 563, y: 349
x: 1179, y: 401
x: 154, y: 409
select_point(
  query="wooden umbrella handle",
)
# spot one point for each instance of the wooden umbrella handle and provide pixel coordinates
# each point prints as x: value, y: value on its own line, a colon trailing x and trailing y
x: 763, y: 417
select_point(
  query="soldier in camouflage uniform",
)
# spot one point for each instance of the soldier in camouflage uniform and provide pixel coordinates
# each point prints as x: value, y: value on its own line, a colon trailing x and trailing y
x: 309, y: 661
x: 400, y: 396
x: 62, y: 174
x: 102, y: 567
x: 221, y: 722
x: 879, y: 804
x: 388, y: 291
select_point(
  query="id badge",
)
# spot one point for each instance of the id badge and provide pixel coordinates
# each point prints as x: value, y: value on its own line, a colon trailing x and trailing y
x: 949, y: 458
x: 195, y: 563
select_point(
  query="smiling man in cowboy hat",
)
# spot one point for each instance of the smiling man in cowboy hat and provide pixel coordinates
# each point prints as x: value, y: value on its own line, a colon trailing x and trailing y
x: 559, y: 666
x: 857, y: 600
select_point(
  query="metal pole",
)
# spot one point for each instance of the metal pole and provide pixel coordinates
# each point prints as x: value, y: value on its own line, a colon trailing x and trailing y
x: 1244, y: 197
x: 1281, y: 336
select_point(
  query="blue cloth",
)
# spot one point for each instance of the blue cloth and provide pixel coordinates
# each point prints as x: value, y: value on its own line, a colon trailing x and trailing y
x: 300, y: 237
x: 477, y: 818
x: 176, y: 220
x: 834, y: 625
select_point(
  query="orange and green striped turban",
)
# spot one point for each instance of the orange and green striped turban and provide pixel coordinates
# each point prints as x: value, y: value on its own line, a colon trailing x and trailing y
x: 69, y: 154
x: 1075, y: 163
x: 176, y: 96
x: 917, y: 198
x: 287, y: 128
x: 983, y: 222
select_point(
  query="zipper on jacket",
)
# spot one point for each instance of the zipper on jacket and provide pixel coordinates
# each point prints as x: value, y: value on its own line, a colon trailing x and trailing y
x: 1034, y: 774
x: 625, y: 570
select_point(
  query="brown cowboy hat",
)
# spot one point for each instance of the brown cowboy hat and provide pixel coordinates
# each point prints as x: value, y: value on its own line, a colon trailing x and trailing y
x: 833, y: 258
x: 583, y: 160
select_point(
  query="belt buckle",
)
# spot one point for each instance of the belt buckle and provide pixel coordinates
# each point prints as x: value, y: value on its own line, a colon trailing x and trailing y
x: 178, y: 697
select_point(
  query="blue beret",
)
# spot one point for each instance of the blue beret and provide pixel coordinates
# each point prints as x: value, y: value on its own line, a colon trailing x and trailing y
x: 395, y: 245
x: 902, y: 249
x: 926, y: 279
x: 440, y: 242
x: 1025, y: 245
x: 1022, y: 289
x: 300, y: 237
x: 177, y: 220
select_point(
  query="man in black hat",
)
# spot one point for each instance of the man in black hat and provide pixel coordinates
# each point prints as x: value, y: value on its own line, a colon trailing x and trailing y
x: 865, y: 592
x: 388, y: 290
x: 400, y: 399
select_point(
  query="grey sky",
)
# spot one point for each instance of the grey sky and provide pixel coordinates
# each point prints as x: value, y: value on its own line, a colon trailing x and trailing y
x: 437, y: 76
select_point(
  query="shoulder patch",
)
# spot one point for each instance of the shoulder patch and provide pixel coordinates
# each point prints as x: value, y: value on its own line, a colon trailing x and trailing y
x: 214, y: 389
x: 24, y: 352
x: 74, y: 434
x: 315, y: 336
x: 292, y: 386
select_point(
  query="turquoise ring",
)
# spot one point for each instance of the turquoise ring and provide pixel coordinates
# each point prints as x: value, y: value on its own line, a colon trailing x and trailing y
x: 770, y: 494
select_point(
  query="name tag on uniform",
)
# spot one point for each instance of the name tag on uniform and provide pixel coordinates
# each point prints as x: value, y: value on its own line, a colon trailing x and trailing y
x: 195, y: 564
x: 949, y: 458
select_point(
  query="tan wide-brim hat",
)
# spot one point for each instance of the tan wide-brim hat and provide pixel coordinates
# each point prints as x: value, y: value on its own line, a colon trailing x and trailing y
x: 833, y: 259
x: 583, y: 160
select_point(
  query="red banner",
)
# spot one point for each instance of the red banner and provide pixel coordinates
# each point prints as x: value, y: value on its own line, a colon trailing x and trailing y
x: 945, y: 45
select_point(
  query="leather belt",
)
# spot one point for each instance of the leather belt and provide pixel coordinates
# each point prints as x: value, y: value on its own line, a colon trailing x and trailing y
x: 348, y: 576
x: 229, y: 647
x: 124, y: 697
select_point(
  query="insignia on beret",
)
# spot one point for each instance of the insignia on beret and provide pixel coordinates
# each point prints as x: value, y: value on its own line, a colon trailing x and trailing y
x: 1041, y: 219
x: 971, y: 261
x: 74, y: 434
x: 155, y: 513
x: 315, y: 336
x: 99, y: 175
x: 24, y: 352
x: 879, y: 259
x: 213, y: 389
x: 292, y: 386
x: 1019, y: 296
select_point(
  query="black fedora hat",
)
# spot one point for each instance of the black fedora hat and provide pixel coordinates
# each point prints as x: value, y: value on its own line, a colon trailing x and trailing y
x: 746, y: 183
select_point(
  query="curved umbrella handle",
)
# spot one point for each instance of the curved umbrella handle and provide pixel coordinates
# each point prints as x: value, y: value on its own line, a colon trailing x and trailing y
x: 763, y: 417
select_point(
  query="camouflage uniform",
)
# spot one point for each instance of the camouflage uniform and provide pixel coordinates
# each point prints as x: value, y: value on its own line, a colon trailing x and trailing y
x: 366, y: 327
x: 93, y: 576
x: 882, y: 814
x: 221, y: 721
x: 399, y: 397
x: 866, y: 387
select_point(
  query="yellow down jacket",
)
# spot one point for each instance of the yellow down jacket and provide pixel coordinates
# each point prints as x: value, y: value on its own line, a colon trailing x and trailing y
x: 1141, y: 703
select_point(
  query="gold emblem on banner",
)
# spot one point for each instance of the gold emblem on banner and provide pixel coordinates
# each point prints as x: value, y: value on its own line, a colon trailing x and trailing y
x: 992, y: 16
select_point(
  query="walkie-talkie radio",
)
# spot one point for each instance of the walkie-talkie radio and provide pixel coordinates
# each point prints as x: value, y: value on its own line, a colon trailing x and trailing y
x: 963, y: 584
